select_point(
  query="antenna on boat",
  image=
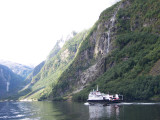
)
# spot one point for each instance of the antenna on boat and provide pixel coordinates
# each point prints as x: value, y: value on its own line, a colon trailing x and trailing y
x: 97, y: 87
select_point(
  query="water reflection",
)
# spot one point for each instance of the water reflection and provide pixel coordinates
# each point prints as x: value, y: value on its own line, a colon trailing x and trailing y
x: 99, y: 111
x: 29, y: 111
x: 78, y: 111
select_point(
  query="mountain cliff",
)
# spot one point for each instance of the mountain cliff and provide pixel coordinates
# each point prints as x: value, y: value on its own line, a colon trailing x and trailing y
x: 9, y: 82
x: 57, y: 61
x: 120, y: 53
x: 35, y: 71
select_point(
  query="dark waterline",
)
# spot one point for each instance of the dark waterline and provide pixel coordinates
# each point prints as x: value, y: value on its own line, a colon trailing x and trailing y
x: 78, y: 111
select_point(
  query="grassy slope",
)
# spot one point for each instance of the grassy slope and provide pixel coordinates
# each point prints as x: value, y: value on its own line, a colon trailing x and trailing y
x: 138, y: 30
x: 53, y: 68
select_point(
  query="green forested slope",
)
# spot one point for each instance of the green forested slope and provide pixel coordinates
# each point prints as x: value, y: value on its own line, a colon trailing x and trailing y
x: 55, y: 64
x: 120, y: 53
x: 133, y: 61
x: 138, y: 49
x: 134, y: 51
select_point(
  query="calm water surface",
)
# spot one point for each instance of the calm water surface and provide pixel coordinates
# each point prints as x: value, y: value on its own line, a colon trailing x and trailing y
x: 78, y: 111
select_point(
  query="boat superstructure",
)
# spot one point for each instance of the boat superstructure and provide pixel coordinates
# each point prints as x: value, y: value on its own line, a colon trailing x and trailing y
x: 97, y: 96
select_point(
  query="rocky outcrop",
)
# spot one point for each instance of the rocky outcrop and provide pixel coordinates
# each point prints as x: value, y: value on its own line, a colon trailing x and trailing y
x: 65, y: 54
x: 155, y: 69
x: 92, y: 73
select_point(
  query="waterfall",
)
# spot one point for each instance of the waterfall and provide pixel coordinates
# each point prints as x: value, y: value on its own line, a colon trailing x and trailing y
x: 7, y: 88
x: 108, y: 40
x: 109, y: 31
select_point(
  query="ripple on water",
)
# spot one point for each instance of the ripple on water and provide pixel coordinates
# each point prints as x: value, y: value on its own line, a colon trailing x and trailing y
x: 9, y: 117
x: 139, y: 103
x: 38, y: 118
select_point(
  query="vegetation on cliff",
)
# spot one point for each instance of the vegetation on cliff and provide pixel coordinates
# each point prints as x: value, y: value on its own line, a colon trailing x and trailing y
x: 58, y: 60
x: 133, y: 59
x: 130, y: 67
x: 136, y: 53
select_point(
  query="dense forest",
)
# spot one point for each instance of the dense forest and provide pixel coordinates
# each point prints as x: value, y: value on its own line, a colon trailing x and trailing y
x: 136, y: 56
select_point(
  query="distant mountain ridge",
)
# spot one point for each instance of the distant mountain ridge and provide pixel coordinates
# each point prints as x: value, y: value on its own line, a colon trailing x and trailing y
x: 17, y: 68
x: 10, y: 82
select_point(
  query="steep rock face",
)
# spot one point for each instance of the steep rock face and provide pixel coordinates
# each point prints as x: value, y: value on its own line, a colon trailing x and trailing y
x: 90, y: 74
x: 9, y: 82
x: 89, y: 63
x: 19, y: 69
x: 132, y: 67
x: 102, y: 42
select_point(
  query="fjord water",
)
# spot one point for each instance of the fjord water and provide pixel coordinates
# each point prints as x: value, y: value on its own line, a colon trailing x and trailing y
x: 78, y: 111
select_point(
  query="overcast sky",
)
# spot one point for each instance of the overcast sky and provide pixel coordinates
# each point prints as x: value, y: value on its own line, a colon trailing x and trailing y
x: 30, y: 28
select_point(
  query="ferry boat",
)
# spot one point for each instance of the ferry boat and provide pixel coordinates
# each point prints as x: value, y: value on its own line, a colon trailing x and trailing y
x: 97, y: 96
